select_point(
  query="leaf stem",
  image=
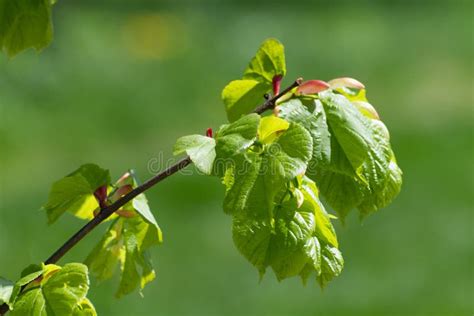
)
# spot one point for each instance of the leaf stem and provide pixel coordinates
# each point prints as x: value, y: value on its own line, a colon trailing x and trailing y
x: 107, y: 211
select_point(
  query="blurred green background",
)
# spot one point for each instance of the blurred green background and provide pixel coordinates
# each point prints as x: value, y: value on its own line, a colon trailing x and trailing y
x: 123, y: 79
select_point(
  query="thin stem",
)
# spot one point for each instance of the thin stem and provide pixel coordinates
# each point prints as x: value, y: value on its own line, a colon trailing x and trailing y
x: 270, y: 103
x: 107, y: 211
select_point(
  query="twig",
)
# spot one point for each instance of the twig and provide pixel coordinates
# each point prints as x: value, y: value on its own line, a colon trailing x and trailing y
x: 270, y: 103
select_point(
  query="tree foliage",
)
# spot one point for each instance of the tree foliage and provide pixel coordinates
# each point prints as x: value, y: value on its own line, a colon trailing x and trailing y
x: 323, y: 141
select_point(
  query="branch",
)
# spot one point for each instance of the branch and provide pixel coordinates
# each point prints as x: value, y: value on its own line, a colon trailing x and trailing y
x: 270, y: 103
x: 109, y: 210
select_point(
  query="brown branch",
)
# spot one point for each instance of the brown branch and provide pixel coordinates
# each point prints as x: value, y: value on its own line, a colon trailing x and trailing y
x: 107, y: 211
x: 270, y: 103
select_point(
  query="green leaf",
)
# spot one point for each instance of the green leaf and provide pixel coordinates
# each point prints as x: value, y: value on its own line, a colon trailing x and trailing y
x: 106, y: 255
x: 352, y: 160
x: 60, y: 291
x: 259, y: 176
x: 201, y: 150
x: 291, y: 241
x: 32, y: 303
x: 267, y: 63
x: 66, y: 288
x: 140, y: 204
x: 6, y: 288
x: 331, y: 265
x: 324, y: 229
x: 293, y: 227
x: 342, y: 192
x: 75, y: 193
x: 310, y: 114
x: 381, y: 171
x: 252, y: 239
x: 241, y: 97
x: 312, y: 249
x: 127, y: 244
x: 244, y: 174
x: 24, y: 280
x: 25, y: 24
x: 136, y: 268
x: 291, y: 152
x: 236, y: 137
x: 349, y: 127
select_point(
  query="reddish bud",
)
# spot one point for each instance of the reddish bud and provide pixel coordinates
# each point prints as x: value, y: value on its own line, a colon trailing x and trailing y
x: 276, y: 82
x: 346, y: 82
x: 312, y: 87
x: 101, y: 196
x: 209, y: 132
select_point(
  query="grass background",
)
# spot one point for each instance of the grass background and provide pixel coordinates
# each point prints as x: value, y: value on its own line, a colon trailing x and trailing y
x: 122, y: 80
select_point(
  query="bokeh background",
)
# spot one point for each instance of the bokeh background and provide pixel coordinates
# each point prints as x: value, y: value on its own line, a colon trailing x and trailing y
x: 123, y: 79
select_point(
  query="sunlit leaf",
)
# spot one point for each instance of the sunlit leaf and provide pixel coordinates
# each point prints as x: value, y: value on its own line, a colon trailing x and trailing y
x: 268, y: 62
x: 126, y: 244
x: 241, y: 97
x: 60, y: 291
x: 201, y: 150
x: 270, y: 128
x: 75, y: 193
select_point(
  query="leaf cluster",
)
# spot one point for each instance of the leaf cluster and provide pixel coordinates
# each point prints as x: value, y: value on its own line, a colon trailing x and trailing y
x: 321, y: 138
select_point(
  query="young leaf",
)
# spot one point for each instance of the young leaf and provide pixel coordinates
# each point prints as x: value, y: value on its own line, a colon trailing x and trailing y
x: 312, y: 249
x: 241, y: 97
x: 201, y: 150
x: 289, y: 241
x: 104, y: 258
x: 324, y: 230
x: 349, y: 127
x: 236, y: 137
x: 352, y: 160
x: 59, y: 292
x: 293, y: 227
x: 252, y: 239
x: 267, y: 231
x: 259, y: 176
x: 268, y: 63
x: 381, y: 171
x: 332, y: 263
x: 377, y: 180
x: 127, y: 243
x: 270, y: 128
x: 25, y: 24
x: 75, y: 193
x: 310, y: 114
